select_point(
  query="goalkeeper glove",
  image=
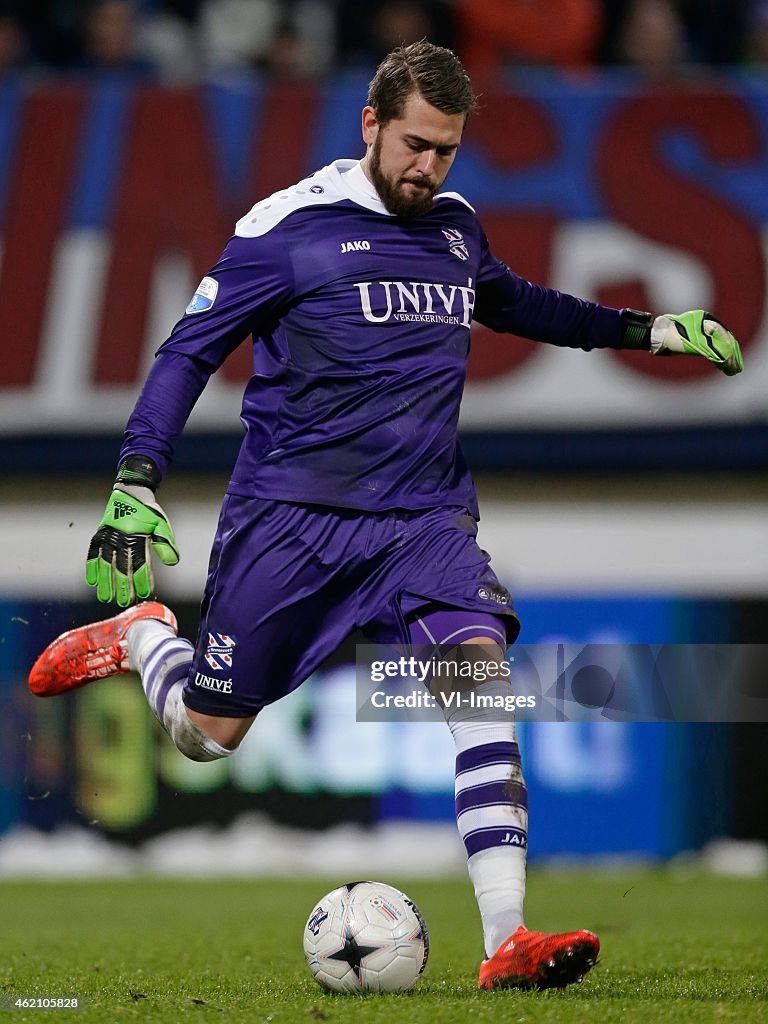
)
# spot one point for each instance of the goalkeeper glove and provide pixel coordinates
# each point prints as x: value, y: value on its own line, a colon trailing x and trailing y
x: 119, y: 563
x: 697, y: 333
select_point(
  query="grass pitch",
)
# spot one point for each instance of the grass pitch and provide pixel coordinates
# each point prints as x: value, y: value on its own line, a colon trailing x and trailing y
x: 676, y: 950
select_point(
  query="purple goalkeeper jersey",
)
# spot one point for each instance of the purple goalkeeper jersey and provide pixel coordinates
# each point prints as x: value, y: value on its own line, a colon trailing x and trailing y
x: 360, y: 323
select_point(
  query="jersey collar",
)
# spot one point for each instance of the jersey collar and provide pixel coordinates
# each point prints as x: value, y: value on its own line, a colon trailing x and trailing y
x: 358, y: 188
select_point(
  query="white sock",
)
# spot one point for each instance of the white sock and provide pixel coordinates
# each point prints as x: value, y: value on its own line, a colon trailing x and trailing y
x: 491, y: 812
x: 498, y: 875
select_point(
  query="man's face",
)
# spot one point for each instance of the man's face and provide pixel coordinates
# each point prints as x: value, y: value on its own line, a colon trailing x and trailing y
x: 408, y: 159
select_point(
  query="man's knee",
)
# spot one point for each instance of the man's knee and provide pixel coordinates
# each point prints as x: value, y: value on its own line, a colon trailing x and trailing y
x: 466, y: 666
x: 192, y: 741
x: 229, y: 733
x: 202, y: 737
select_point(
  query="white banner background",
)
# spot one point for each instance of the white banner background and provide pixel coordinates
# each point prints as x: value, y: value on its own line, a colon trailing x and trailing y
x: 556, y: 388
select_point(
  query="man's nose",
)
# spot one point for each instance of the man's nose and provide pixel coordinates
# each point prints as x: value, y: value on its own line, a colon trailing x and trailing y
x: 426, y: 162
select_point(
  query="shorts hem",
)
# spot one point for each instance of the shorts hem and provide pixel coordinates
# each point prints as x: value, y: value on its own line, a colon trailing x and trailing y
x: 217, y: 710
x: 507, y: 612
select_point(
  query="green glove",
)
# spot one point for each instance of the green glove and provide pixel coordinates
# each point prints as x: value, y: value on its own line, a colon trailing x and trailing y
x: 119, y: 563
x: 697, y: 333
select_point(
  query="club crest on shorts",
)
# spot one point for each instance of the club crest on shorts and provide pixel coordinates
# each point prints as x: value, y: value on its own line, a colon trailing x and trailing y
x: 457, y: 244
x: 218, y: 653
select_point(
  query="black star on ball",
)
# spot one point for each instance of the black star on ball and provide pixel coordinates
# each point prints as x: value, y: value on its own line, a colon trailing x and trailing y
x: 352, y: 952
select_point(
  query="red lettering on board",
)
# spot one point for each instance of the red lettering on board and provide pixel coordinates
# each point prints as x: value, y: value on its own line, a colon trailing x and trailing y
x: 167, y: 200
x: 280, y: 157
x: 39, y: 192
x: 659, y: 202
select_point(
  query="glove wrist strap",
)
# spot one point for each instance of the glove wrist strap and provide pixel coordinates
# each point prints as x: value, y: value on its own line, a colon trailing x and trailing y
x: 637, y: 329
x: 138, y: 471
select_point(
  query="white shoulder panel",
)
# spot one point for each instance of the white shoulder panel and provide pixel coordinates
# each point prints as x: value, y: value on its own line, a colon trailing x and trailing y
x: 455, y: 195
x: 321, y: 189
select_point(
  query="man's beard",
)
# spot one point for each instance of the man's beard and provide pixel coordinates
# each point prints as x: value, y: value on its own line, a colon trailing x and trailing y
x: 391, y: 194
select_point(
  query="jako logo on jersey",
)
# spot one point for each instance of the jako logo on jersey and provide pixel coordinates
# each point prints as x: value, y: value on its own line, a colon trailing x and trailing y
x: 318, y: 916
x: 457, y: 244
x: 218, y: 654
x: 360, y: 246
x: 122, y: 510
x: 417, y: 301
x: 204, y: 297
x: 498, y: 595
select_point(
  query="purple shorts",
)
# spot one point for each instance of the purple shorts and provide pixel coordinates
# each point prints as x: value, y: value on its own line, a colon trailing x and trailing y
x: 288, y: 583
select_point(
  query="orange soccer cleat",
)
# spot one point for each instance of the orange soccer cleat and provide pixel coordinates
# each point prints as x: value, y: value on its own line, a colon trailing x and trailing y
x: 91, y: 652
x: 537, y: 960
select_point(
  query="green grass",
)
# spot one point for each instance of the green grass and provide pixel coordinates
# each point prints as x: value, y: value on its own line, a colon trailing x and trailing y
x: 675, y: 950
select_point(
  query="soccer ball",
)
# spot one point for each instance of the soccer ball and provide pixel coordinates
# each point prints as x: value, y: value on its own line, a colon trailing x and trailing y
x: 366, y: 937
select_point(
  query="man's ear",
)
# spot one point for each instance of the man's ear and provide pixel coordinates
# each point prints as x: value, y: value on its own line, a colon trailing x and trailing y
x: 370, y: 126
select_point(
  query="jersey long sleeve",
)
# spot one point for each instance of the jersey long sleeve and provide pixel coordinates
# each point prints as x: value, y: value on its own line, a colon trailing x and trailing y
x: 172, y: 387
x: 248, y: 287
x: 510, y: 304
x: 360, y: 331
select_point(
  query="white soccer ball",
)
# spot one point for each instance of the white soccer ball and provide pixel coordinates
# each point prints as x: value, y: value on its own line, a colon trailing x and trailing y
x: 366, y: 937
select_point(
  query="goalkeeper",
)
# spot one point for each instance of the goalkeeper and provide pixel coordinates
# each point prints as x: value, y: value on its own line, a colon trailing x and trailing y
x: 350, y: 505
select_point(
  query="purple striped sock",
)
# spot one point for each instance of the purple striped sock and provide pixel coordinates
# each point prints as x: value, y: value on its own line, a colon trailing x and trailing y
x: 167, y: 666
x: 491, y: 797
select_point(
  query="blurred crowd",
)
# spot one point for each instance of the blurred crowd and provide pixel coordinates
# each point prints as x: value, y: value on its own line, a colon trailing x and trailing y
x: 182, y: 39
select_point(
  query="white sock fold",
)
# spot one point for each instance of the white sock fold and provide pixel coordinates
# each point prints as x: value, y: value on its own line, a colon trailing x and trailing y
x: 142, y: 637
x: 188, y: 737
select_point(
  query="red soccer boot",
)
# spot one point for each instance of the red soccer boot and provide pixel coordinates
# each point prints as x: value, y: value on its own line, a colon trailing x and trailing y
x: 537, y: 960
x: 91, y: 652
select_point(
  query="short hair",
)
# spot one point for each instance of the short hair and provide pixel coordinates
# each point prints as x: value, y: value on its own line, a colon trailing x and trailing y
x: 434, y: 72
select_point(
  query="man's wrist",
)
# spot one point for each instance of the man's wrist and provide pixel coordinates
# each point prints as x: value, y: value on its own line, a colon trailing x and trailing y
x: 138, y: 471
x: 637, y: 329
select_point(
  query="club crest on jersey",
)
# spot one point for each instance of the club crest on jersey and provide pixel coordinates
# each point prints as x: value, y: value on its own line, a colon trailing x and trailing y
x: 204, y: 297
x: 218, y: 654
x: 457, y: 245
